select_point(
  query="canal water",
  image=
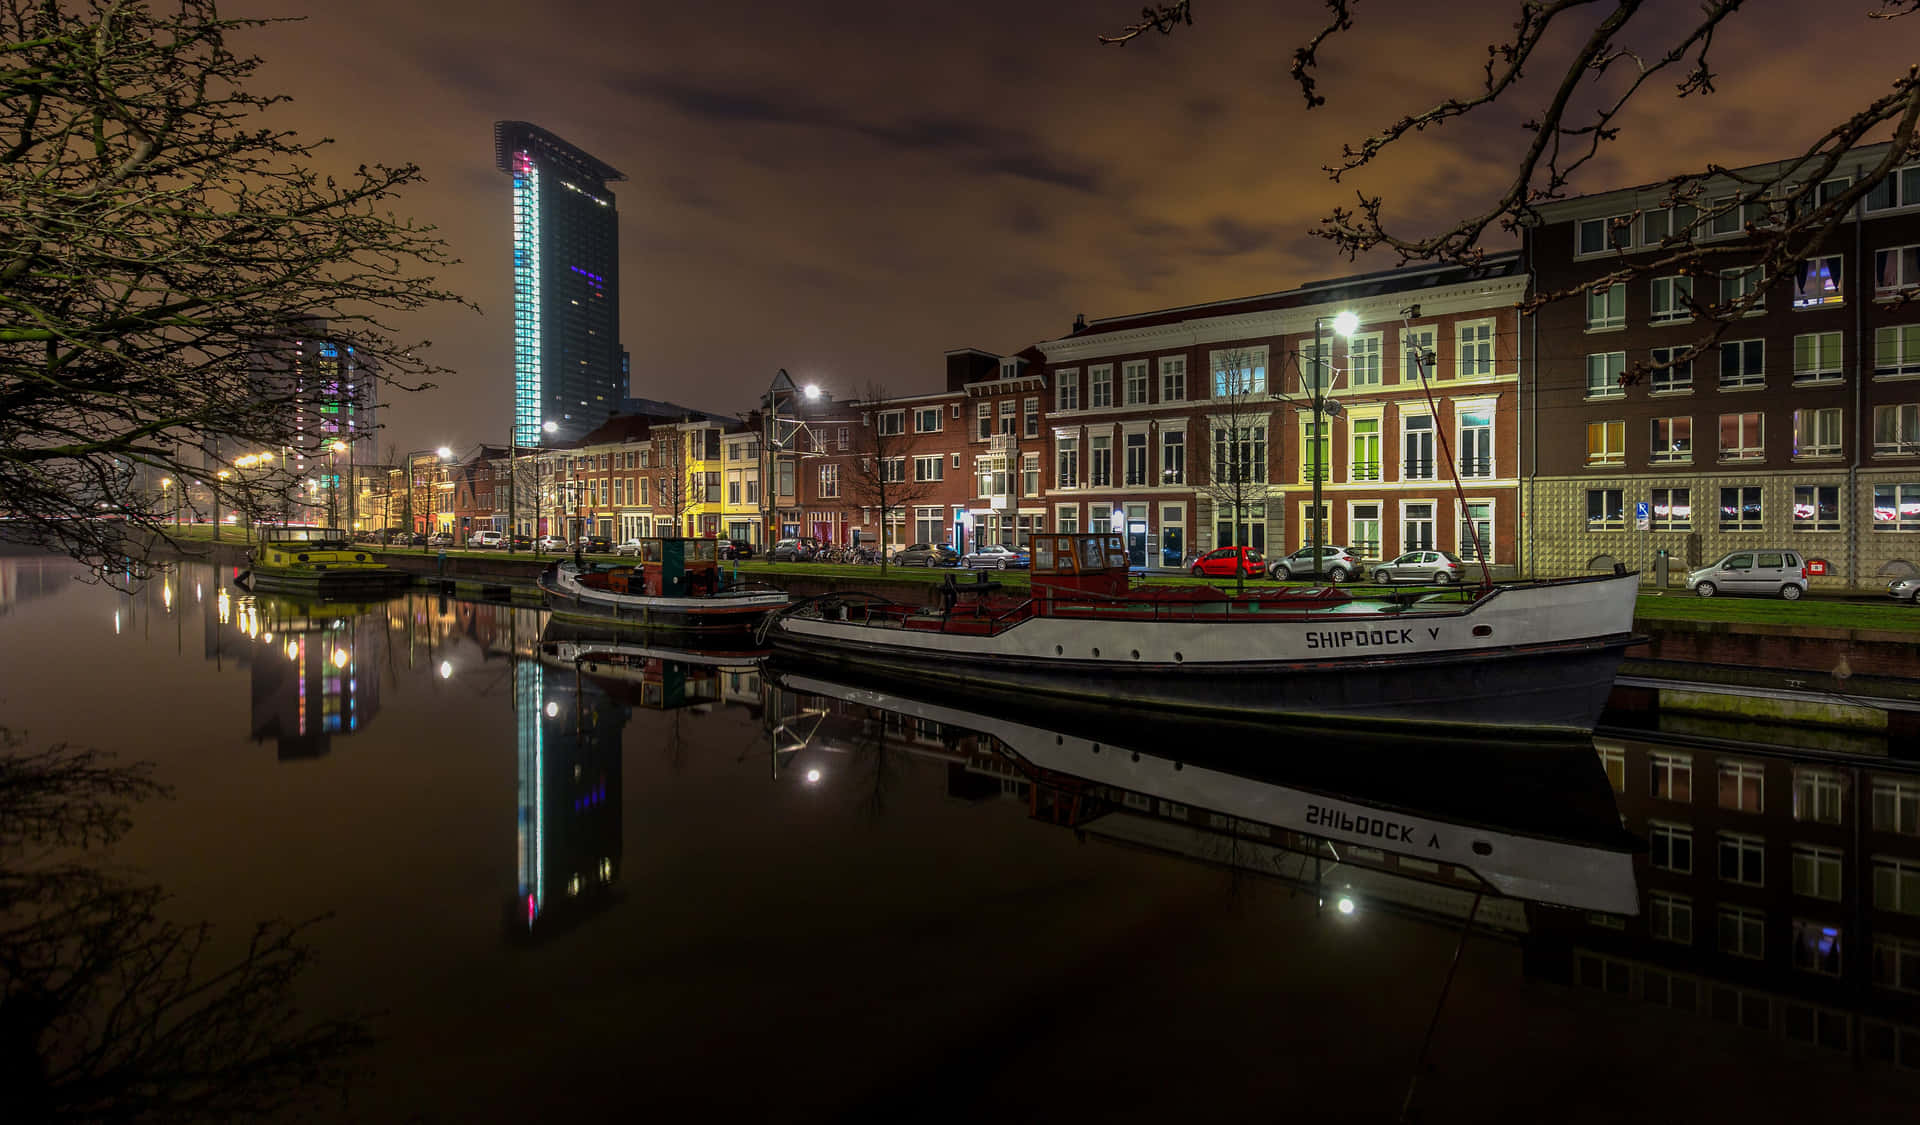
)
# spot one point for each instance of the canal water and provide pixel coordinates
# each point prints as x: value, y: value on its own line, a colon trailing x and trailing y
x: 554, y: 875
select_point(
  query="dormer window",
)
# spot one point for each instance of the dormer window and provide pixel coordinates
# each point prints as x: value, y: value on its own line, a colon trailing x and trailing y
x: 1010, y: 368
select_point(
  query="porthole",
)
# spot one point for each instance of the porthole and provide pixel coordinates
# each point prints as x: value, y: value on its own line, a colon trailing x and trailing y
x: 1096, y: 652
x: 1096, y: 747
x: 1481, y: 847
x: 1059, y: 740
x: 1058, y: 651
x: 1136, y: 755
x: 1136, y: 654
x: 1178, y: 658
x: 1483, y: 630
x: 1178, y: 766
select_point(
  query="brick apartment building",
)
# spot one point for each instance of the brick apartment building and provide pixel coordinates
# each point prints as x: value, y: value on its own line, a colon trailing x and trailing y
x: 1799, y: 429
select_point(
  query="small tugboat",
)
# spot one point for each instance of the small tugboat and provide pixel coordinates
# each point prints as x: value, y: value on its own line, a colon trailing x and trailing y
x: 1533, y: 820
x: 1523, y: 655
x: 316, y: 561
x: 675, y: 584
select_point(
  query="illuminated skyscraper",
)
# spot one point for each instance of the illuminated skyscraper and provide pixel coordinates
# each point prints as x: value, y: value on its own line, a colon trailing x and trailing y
x: 568, y: 367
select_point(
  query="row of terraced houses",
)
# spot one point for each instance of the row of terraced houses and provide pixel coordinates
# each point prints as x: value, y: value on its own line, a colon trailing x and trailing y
x: 1450, y: 420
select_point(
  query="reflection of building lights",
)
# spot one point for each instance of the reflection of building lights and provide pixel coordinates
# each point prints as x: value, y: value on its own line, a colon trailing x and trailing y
x: 293, y: 650
x: 166, y: 595
x: 1345, y: 905
x: 116, y: 622
x: 339, y: 658
x: 573, y: 885
x: 813, y: 777
x: 606, y: 870
x: 552, y: 710
x: 225, y: 604
x: 446, y: 670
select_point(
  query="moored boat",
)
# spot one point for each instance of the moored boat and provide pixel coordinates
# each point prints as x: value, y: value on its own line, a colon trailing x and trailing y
x: 1526, y: 655
x: 316, y: 561
x: 674, y: 584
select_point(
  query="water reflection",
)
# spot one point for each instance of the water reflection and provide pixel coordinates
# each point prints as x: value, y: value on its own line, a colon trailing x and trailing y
x: 957, y: 864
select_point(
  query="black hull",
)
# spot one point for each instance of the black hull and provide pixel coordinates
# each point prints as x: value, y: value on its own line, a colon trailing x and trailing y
x: 1558, y: 689
x: 642, y: 616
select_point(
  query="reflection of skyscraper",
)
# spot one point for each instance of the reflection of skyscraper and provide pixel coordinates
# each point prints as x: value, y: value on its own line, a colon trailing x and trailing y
x: 568, y: 367
x: 568, y: 736
x: 316, y: 676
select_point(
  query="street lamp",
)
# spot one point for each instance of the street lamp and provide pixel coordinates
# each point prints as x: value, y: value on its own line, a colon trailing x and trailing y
x: 1344, y: 324
x: 513, y: 479
x: 773, y: 442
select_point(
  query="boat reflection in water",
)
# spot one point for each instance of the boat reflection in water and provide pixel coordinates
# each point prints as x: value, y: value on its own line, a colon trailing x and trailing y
x: 637, y: 668
x: 1771, y: 889
x: 1425, y: 820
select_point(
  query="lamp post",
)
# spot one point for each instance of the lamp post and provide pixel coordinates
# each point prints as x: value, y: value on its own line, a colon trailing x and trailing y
x: 773, y: 441
x: 513, y: 480
x: 1344, y: 324
x: 333, y: 482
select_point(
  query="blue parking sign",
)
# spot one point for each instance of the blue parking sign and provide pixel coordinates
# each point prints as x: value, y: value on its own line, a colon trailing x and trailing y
x: 1641, y: 513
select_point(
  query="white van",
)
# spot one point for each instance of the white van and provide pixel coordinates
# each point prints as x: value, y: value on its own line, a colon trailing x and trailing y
x: 1764, y: 572
x: 487, y: 539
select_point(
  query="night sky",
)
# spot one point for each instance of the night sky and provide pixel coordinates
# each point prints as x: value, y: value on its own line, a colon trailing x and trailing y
x: 849, y: 190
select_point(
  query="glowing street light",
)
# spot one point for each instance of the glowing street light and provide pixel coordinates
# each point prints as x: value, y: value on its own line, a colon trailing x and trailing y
x: 1345, y: 323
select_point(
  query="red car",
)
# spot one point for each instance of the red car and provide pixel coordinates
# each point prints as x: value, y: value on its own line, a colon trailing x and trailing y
x: 1230, y: 562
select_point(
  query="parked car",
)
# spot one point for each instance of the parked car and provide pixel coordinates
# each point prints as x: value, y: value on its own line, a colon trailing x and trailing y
x: 1229, y: 562
x: 735, y: 549
x: 926, y: 554
x: 522, y: 542
x: 550, y: 543
x: 1440, y: 567
x: 629, y: 547
x: 996, y: 556
x: 794, y: 550
x: 1765, y: 572
x: 1905, y: 590
x: 489, y: 539
x: 598, y: 544
x: 439, y: 539
x: 1337, y: 564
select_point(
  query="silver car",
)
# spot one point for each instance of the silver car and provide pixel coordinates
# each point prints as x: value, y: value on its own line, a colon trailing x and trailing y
x: 1443, y: 567
x: 1760, y: 572
x: 1905, y: 590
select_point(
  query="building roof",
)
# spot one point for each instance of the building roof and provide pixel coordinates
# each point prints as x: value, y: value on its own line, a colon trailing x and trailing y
x: 511, y: 136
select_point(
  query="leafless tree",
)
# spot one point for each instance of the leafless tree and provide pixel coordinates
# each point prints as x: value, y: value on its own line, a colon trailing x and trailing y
x: 109, y: 1012
x: 675, y: 491
x: 1240, y: 427
x: 879, y: 476
x: 1593, y: 76
x: 160, y: 249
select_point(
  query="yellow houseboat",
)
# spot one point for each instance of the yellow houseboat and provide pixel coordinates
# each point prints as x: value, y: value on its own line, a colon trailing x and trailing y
x: 316, y: 560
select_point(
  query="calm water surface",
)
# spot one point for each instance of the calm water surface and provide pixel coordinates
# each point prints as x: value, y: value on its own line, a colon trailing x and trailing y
x: 705, y: 891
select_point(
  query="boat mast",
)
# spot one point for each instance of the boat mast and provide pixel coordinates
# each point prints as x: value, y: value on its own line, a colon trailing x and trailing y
x: 1423, y: 362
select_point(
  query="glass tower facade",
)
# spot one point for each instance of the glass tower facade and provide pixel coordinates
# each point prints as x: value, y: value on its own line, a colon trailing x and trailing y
x: 568, y: 365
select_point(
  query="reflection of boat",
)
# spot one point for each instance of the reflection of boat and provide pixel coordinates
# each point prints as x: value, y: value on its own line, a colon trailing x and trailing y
x: 676, y: 584
x: 650, y: 674
x: 1530, y: 655
x: 318, y: 561
x: 1531, y: 820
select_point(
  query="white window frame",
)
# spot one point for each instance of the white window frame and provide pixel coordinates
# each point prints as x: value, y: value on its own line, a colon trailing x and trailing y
x: 1066, y: 390
x: 1613, y: 233
x: 1466, y: 354
x: 1607, y: 307
x: 1888, y: 283
x: 1463, y: 462
x: 1740, y: 522
x: 922, y: 414
x: 1417, y: 341
x: 1066, y: 519
x: 930, y: 467
x: 1829, y: 268
x: 1741, y: 772
x: 1464, y: 543
x: 1173, y: 378
x: 1742, y: 377
x: 1896, y: 351
x: 1358, y: 470
x: 1905, y: 884
x: 1173, y: 436
x: 1604, y: 370
x: 1258, y: 378
x: 1136, y: 383
x: 1678, y: 290
x: 1410, y: 519
x: 1901, y: 188
x: 1410, y: 467
x: 1749, y: 930
x: 1066, y: 452
x: 1818, y: 872
x: 1813, y: 787
x: 1663, y: 911
x: 1030, y: 415
x: 1892, y: 503
x: 1677, y: 449
x: 1671, y: 766
x: 1748, y: 850
x: 1818, y: 357
x: 1737, y: 284
x: 1364, y: 361
x: 1670, y: 509
x: 1902, y: 799
x: 1750, y: 446
x: 1613, y: 446
x: 1099, y: 386
x: 1826, y: 437
x: 1671, y: 832
x: 890, y: 423
x: 829, y: 482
